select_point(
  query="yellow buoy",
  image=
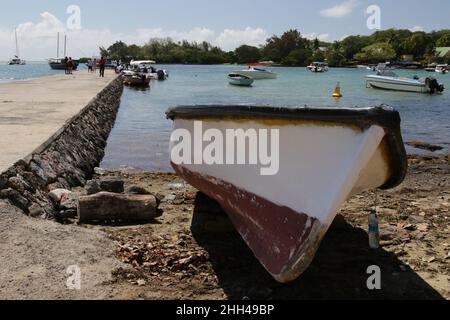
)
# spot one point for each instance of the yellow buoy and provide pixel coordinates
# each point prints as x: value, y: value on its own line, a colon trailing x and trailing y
x: 337, y: 91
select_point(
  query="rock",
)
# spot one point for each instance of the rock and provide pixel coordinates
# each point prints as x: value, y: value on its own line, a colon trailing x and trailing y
x: 423, y: 227
x: 92, y: 187
x: 57, y: 195
x: 429, y: 259
x: 176, y: 186
x: 36, y: 211
x: 113, y: 206
x: 141, y: 282
x: 169, y: 198
x: 16, y: 199
x: 137, y: 190
x: 60, y: 184
x: 114, y: 185
x: 69, y: 202
x: 19, y: 184
x: 100, y: 171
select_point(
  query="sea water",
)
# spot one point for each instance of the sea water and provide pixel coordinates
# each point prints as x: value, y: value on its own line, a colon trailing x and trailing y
x: 140, y: 137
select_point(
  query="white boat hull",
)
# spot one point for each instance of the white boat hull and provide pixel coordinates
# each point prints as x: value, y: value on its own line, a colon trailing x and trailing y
x: 284, y: 217
x: 257, y: 75
x: 385, y: 83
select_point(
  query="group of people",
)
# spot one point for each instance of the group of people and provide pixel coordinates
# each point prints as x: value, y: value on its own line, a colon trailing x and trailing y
x: 93, y: 63
x: 69, y: 65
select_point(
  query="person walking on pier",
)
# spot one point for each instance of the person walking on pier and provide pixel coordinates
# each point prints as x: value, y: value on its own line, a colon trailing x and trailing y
x: 66, y: 65
x: 101, y: 65
x: 70, y: 66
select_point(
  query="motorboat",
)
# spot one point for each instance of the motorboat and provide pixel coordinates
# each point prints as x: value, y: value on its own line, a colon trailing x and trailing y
x: 389, y: 80
x: 16, y: 61
x: 442, y: 68
x: 380, y: 67
x: 257, y: 73
x: 318, y: 67
x: 135, y: 79
x: 240, y: 80
x: 283, y: 206
x: 147, y: 67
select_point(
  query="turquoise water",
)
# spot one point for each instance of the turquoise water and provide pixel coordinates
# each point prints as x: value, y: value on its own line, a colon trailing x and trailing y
x: 30, y: 70
x: 141, y: 134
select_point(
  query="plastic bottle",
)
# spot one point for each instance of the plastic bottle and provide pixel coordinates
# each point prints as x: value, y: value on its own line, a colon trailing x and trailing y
x: 374, y: 230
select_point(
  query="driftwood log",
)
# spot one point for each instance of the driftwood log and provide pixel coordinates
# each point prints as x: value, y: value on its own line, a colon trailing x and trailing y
x: 113, y: 206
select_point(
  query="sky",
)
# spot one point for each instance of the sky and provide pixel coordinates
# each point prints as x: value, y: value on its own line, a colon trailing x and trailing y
x: 226, y: 23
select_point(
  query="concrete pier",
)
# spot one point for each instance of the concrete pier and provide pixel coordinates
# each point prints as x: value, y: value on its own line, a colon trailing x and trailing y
x: 31, y: 111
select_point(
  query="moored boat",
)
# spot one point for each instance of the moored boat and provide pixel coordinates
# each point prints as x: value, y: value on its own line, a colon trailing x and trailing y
x: 152, y: 72
x: 318, y: 67
x: 135, y: 79
x: 442, y: 68
x: 60, y: 63
x: 324, y: 155
x: 257, y: 73
x: 16, y: 61
x: 389, y: 80
x: 240, y: 80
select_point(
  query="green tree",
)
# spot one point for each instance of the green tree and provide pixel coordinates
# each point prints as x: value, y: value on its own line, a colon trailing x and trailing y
x: 443, y: 41
x: 352, y: 45
x: 378, y: 52
x: 118, y: 51
x: 298, y: 57
x: 247, y: 54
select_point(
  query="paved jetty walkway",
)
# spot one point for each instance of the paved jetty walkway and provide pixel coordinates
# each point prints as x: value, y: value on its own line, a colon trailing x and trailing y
x: 31, y: 111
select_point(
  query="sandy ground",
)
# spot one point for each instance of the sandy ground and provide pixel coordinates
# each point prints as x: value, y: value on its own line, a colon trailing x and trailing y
x: 192, y: 251
x: 33, y: 110
x: 36, y: 254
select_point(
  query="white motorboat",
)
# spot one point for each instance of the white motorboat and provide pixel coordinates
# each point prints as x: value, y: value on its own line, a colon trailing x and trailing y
x: 16, y: 60
x: 324, y: 156
x: 318, y: 67
x: 147, y: 65
x: 257, y: 73
x: 442, y: 68
x: 240, y: 80
x: 389, y: 80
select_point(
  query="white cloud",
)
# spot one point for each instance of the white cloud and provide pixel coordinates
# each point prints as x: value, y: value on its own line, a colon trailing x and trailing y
x: 416, y: 28
x: 37, y: 40
x: 321, y: 37
x: 340, y: 10
x: 231, y: 39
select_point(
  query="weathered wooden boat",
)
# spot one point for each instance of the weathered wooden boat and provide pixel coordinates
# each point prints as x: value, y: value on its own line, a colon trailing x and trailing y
x: 325, y: 157
x: 135, y: 79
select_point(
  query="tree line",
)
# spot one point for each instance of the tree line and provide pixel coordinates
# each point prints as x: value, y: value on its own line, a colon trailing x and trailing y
x: 293, y: 49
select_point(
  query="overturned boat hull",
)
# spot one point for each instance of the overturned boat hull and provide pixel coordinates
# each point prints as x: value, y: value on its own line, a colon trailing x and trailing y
x: 325, y: 157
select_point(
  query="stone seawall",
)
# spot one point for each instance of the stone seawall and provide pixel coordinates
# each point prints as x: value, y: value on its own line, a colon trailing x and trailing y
x: 66, y: 160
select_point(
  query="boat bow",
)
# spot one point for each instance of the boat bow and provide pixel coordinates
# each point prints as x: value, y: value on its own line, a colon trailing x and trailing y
x: 325, y: 156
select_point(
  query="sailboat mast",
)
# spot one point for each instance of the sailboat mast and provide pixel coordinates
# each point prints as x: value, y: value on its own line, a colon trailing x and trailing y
x: 65, y: 45
x: 57, y: 47
x: 17, y: 44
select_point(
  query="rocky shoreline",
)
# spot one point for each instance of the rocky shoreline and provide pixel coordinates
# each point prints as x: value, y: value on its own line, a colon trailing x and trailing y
x: 66, y: 160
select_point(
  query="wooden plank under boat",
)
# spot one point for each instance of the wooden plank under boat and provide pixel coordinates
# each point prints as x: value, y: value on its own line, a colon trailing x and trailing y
x: 325, y: 157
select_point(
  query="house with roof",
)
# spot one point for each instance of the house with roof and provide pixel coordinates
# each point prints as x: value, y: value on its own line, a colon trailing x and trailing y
x: 443, y: 53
